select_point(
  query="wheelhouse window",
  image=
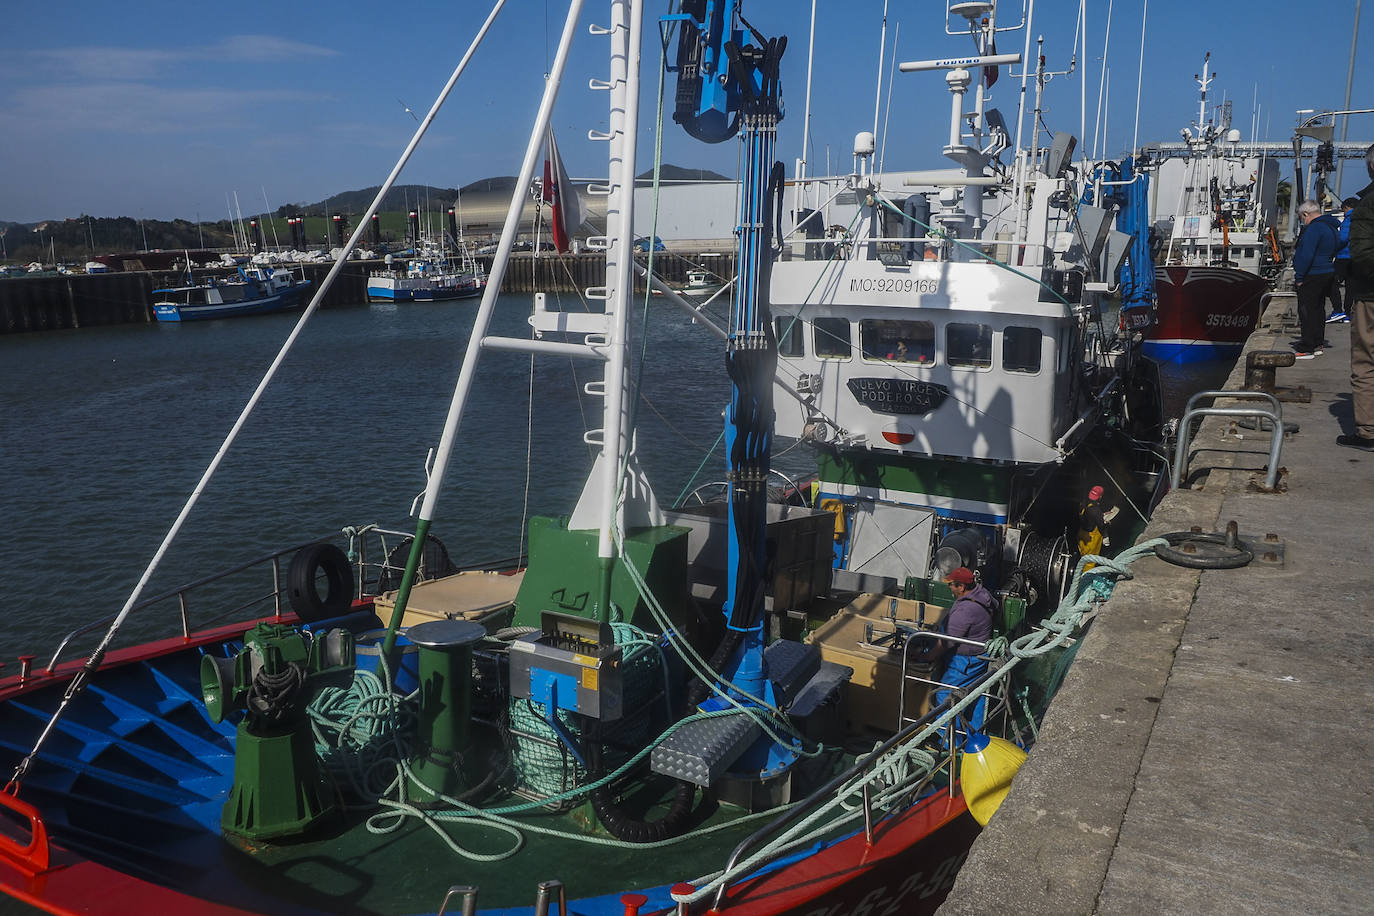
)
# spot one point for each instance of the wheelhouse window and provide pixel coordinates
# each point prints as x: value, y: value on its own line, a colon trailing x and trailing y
x: 1021, y: 350
x: 790, y: 341
x: 831, y: 338
x: 968, y: 345
x: 894, y: 341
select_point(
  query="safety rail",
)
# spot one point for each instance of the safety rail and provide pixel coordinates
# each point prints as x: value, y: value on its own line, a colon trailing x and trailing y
x: 181, y: 592
x: 913, y: 634
x: 365, y: 584
x: 823, y: 795
x: 1275, y: 417
x: 374, y: 577
x: 852, y: 245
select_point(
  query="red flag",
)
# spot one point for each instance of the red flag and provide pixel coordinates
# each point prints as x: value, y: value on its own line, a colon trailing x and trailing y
x: 565, y: 207
x: 990, y: 74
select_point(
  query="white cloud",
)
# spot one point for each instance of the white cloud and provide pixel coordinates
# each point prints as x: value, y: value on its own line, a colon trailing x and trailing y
x: 121, y: 63
x: 135, y: 108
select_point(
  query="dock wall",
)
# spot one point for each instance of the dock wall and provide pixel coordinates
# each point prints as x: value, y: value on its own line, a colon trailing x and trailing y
x: 94, y: 300
x: 1209, y: 751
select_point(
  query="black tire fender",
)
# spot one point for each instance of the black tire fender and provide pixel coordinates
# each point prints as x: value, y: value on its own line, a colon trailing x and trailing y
x: 302, y: 582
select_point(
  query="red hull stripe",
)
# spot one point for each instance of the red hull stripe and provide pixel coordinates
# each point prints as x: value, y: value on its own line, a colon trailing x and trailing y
x: 76, y: 887
x: 12, y: 686
x: 912, y: 863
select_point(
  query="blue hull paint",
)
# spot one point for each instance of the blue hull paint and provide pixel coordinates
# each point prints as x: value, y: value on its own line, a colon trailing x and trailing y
x: 278, y: 303
x: 1181, y: 352
x: 388, y: 295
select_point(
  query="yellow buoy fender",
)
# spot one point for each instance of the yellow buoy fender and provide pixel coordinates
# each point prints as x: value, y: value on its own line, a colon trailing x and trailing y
x: 986, y: 771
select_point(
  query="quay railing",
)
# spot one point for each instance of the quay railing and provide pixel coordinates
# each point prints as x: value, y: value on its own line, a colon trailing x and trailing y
x: 1190, y: 412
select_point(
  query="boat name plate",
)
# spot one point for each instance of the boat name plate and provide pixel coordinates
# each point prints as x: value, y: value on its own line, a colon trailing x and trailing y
x: 891, y: 395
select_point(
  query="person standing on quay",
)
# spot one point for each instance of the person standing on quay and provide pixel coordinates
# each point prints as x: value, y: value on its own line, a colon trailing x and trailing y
x: 1314, y: 271
x: 1360, y: 307
x: 1342, y: 262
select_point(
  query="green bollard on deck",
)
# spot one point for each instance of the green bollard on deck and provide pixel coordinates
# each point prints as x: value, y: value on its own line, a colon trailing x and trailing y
x: 445, y: 656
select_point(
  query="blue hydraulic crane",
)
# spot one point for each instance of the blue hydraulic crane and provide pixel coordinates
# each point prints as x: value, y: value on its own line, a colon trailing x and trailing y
x: 728, y: 85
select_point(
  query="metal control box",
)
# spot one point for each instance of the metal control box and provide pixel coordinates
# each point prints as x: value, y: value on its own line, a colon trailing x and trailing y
x: 571, y: 664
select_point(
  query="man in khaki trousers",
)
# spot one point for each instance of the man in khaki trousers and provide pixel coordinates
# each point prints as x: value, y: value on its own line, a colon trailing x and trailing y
x: 1361, y: 310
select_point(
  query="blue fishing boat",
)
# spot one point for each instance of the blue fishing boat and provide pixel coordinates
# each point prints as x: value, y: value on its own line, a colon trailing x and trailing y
x: 738, y: 705
x: 430, y: 276
x: 254, y: 291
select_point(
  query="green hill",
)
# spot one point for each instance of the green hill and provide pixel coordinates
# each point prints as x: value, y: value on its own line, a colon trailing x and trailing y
x: 74, y: 240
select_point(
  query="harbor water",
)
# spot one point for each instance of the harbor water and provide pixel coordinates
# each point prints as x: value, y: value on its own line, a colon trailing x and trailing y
x: 105, y: 432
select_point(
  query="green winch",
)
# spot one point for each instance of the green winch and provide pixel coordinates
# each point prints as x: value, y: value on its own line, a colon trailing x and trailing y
x: 279, y: 789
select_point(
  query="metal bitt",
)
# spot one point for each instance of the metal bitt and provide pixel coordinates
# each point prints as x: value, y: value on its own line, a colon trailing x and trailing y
x: 683, y: 890
x: 545, y: 896
x: 1261, y: 375
x: 469, y: 895
x: 632, y: 903
x: 445, y: 656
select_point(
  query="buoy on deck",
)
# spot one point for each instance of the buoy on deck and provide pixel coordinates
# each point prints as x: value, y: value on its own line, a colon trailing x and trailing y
x: 986, y: 771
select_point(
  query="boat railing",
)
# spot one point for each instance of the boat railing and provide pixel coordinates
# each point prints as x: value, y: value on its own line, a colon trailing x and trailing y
x: 182, y: 595
x: 876, y: 248
x: 370, y: 573
x: 862, y: 767
x: 379, y: 555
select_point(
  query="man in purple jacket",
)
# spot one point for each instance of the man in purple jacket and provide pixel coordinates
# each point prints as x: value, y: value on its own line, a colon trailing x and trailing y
x: 969, y: 618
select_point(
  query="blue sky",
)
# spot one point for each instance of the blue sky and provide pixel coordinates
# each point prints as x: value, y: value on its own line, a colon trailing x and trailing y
x: 160, y: 110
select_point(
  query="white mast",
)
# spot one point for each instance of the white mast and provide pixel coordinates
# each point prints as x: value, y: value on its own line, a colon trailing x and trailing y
x: 882, y: 50
x: 1139, y: 78
x: 616, y: 493
x: 806, y: 120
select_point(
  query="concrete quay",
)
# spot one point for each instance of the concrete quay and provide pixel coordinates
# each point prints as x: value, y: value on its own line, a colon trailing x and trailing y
x: 1210, y: 750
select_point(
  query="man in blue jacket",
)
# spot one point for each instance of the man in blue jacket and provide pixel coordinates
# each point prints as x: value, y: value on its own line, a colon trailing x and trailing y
x: 1341, y: 285
x: 969, y: 618
x: 1314, y: 271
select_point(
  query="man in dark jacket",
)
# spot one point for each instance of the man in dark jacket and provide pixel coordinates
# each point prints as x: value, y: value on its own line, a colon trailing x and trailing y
x: 1342, y: 262
x: 1360, y: 308
x: 969, y: 618
x: 1314, y: 271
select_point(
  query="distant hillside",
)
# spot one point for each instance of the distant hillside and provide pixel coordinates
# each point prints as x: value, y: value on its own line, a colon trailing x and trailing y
x: 678, y: 173
x: 77, y: 238
x: 407, y: 196
x: 400, y: 197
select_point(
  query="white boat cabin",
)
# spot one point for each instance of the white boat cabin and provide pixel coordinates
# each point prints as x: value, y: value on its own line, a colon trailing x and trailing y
x: 923, y: 347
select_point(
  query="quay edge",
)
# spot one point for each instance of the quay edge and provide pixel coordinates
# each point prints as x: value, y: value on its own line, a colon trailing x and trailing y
x: 1207, y: 752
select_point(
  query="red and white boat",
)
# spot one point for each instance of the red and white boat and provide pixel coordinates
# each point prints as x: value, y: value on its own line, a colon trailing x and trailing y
x: 1214, y: 209
x: 1203, y: 312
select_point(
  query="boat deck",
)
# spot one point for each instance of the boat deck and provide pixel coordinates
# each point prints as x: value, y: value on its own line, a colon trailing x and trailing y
x: 1210, y: 750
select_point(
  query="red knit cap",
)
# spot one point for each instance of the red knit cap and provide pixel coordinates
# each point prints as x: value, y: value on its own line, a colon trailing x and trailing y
x: 963, y: 575
x: 1095, y: 494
